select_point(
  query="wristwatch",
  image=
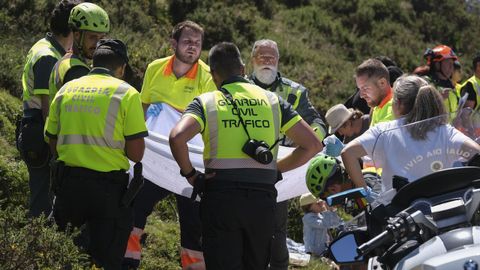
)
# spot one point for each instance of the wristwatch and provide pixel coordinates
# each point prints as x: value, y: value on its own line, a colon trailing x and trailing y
x: 190, y: 174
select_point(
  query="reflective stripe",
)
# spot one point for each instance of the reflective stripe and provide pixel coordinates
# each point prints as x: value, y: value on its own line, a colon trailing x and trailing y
x: 238, y: 163
x: 59, y: 106
x: 189, y: 257
x: 135, y: 255
x: 275, y: 110
x: 107, y: 139
x: 113, y: 110
x: 477, y: 90
x: 276, y: 120
x: 57, y: 74
x: 90, y: 140
x: 134, y: 248
x: 212, y: 115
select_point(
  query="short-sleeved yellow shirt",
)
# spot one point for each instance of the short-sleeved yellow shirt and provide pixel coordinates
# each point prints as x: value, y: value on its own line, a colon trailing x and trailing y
x: 161, y: 85
x: 384, y: 111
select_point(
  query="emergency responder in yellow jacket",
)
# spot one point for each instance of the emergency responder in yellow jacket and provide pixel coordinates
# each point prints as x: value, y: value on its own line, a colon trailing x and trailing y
x: 174, y: 80
x: 94, y: 129
x: 40, y: 60
x: 89, y: 24
x: 240, y: 126
x: 438, y: 71
x: 264, y: 58
x: 472, y: 85
x: 373, y: 81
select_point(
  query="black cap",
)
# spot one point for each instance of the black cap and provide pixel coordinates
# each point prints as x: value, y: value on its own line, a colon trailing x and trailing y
x: 394, y: 72
x: 114, y: 45
x: 475, y: 60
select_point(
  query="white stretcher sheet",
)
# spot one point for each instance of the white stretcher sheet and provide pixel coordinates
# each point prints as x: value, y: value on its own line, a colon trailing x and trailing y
x: 160, y: 167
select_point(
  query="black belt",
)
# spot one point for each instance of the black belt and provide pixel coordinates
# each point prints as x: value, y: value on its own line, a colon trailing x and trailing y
x: 80, y: 171
x: 216, y: 184
x: 32, y: 113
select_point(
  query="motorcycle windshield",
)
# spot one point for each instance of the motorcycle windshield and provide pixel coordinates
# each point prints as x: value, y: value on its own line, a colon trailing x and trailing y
x: 421, y: 148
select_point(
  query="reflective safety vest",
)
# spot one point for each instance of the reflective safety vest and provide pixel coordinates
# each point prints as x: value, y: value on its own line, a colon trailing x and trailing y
x: 42, y: 48
x: 223, y: 134
x: 291, y: 92
x: 90, y: 117
x: 451, y: 102
x: 59, y: 71
x: 476, y: 87
x: 383, y: 112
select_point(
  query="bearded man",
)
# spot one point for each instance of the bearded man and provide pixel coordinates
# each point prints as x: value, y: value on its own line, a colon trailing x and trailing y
x: 265, y: 57
x: 174, y: 80
x: 373, y: 81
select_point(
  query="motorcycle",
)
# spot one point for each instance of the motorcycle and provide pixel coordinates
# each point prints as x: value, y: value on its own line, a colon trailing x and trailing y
x: 429, y: 222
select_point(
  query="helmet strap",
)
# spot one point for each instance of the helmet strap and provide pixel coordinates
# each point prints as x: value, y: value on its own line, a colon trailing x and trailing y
x: 79, y: 45
x: 441, y: 71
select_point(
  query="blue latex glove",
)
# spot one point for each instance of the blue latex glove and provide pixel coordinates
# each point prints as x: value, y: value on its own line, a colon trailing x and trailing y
x: 371, y: 195
x: 333, y: 146
x: 154, y: 109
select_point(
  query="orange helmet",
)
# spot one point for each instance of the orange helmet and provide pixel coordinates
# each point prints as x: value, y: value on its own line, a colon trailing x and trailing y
x: 439, y: 53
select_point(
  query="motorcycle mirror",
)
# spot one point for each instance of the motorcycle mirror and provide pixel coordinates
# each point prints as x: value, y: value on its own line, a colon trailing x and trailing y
x: 344, y: 249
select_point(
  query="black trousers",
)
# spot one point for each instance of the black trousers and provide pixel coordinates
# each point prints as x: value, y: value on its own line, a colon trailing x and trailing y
x: 40, y: 198
x: 188, y: 211
x: 92, y: 198
x: 279, y: 256
x: 238, y: 224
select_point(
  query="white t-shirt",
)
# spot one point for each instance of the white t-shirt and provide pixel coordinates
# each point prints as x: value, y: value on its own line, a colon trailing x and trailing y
x: 394, y: 150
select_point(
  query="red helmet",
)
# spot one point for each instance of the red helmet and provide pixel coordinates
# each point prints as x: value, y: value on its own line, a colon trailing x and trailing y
x: 439, y: 53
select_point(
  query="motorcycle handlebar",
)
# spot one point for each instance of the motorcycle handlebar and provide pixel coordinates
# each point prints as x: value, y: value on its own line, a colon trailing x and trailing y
x: 377, y: 241
x: 403, y: 224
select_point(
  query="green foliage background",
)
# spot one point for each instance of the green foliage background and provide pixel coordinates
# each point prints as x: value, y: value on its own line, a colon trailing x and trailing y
x: 321, y: 42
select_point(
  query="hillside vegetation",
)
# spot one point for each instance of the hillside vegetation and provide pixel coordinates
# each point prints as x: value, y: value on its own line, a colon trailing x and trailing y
x: 321, y: 42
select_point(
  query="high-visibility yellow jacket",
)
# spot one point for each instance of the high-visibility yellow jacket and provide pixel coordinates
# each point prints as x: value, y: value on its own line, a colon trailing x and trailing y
x: 92, y: 117
x: 475, y: 82
x: 297, y: 95
x: 45, y: 52
x: 264, y: 115
x: 65, y: 64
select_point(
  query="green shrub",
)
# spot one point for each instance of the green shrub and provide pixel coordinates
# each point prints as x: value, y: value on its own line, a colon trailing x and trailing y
x: 35, y: 244
x: 162, y: 246
x: 238, y: 29
x: 13, y: 177
x: 320, y: 41
x: 13, y: 172
x: 12, y: 63
x: 10, y: 111
x: 294, y: 222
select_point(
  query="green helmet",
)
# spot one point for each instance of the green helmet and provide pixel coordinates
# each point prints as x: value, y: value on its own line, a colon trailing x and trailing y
x: 321, y: 169
x: 89, y: 17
